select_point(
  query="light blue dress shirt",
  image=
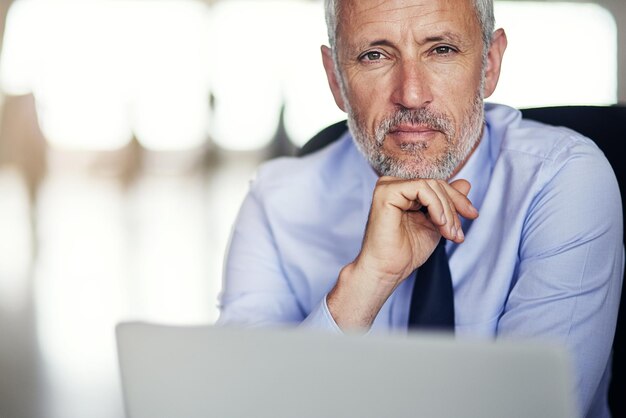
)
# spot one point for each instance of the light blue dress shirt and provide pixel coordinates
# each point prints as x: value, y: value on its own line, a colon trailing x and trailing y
x: 544, y: 259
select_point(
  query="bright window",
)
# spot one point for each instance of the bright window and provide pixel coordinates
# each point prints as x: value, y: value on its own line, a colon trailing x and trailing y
x: 558, y: 53
x: 102, y: 71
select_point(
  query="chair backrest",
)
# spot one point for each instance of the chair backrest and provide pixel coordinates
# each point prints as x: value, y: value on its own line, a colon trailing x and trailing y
x: 606, y: 125
x: 324, y: 137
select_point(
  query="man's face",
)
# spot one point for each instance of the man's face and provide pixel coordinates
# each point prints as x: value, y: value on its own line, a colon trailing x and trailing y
x: 411, y: 81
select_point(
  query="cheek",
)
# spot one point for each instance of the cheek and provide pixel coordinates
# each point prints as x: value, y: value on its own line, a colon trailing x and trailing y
x: 459, y: 79
x: 454, y: 90
x: 368, y: 98
x: 369, y: 93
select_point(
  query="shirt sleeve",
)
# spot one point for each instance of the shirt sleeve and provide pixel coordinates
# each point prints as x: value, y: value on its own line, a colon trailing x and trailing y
x: 571, y: 261
x: 256, y: 291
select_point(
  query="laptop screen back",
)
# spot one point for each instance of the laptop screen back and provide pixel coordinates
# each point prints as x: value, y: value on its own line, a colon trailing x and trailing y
x: 209, y: 371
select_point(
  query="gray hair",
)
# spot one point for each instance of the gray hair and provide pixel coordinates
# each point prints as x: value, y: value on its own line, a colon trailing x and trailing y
x: 484, y: 13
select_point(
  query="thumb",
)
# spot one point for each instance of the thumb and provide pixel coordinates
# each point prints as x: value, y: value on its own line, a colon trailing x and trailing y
x: 462, y: 186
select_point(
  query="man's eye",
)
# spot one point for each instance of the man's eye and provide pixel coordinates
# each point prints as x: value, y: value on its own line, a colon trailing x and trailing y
x: 443, y: 50
x: 372, y: 56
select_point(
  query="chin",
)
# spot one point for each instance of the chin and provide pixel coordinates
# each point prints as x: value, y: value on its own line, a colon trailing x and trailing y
x: 414, y: 166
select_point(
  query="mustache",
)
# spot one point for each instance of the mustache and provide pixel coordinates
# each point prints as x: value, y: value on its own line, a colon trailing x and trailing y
x: 422, y: 116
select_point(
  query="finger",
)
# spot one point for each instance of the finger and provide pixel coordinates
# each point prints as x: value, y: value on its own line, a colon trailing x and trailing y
x: 394, y: 197
x: 410, y: 195
x: 453, y: 224
x: 462, y: 186
x: 428, y: 195
x: 457, y: 190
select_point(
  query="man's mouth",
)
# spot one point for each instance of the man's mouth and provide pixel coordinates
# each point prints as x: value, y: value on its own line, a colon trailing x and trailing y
x: 412, y: 129
x: 406, y: 134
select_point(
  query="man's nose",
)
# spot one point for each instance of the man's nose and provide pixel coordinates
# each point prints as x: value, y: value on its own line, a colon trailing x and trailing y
x: 412, y: 88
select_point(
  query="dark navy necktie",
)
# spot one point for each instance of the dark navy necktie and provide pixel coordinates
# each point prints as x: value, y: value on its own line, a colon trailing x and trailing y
x: 432, y: 300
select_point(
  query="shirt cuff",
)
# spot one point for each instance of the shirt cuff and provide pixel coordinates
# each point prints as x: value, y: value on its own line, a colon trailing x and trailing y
x: 320, y: 318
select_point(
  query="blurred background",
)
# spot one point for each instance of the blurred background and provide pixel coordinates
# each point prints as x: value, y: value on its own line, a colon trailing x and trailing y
x: 129, y: 130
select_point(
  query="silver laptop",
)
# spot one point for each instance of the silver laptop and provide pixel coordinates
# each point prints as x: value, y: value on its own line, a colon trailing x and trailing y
x: 224, y: 372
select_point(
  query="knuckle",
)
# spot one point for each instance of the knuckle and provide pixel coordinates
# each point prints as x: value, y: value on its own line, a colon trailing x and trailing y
x: 386, y: 180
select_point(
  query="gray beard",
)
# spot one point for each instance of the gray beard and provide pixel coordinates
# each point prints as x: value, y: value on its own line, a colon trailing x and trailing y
x: 414, y: 163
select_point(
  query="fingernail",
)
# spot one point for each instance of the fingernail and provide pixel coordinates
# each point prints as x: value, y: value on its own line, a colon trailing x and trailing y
x: 460, y: 234
x: 443, y: 218
x: 453, y: 231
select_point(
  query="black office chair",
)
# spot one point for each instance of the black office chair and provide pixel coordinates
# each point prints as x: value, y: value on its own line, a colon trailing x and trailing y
x: 606, y: 125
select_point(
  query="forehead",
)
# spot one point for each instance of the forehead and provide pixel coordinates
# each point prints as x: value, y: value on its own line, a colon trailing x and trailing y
x: 394, y: 18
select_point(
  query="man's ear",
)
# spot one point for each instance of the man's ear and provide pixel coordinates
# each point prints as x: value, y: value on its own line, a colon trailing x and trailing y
x: 331, y: 75
x: 494, y: 61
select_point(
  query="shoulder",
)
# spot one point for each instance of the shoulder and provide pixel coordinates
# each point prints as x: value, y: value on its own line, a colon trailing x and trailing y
x: 525, y: 142
x: 551, y: 168
x: 557, y: 169
x: 331, y: 170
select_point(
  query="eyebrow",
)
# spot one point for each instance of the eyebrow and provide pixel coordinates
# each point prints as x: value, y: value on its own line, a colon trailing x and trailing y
x: 381, y: 42
x: 364, y: 45
x: 444, y: 37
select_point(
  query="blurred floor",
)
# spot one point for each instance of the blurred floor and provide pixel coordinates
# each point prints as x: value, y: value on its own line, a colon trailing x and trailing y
x: 104, y: 250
